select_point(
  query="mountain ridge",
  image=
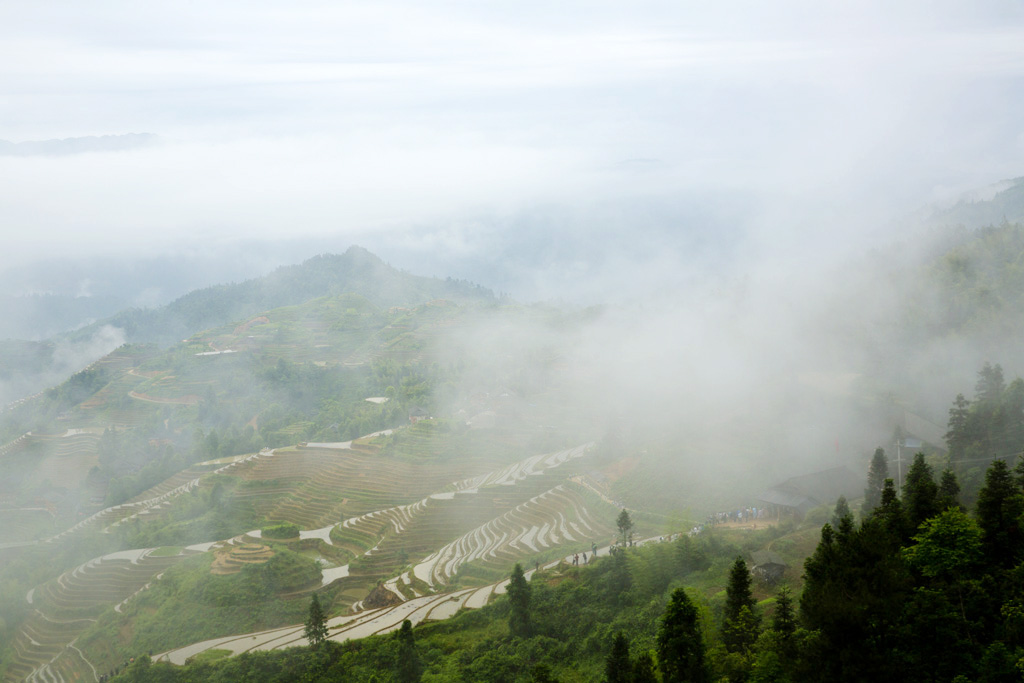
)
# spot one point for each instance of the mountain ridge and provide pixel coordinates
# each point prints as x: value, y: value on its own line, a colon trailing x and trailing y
x: 356, y: 271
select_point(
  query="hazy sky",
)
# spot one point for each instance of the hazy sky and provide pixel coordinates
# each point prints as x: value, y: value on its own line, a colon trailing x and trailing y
x: 343, y: 119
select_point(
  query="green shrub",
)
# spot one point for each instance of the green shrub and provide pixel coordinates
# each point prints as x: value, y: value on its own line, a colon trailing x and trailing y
x: 282, y: 530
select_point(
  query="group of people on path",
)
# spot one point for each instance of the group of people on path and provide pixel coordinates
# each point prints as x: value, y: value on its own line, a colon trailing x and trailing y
x: 738, y: 516
x: 576, y: 556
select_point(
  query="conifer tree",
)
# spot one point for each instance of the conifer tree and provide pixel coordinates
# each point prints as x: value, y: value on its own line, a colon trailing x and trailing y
x: 740, y: 627
x: 738, y: 593
x: 999, y: 511
x: 878, y: 472
x: 681, y: 655
x: 618, y: 666
x: 625, y: 525
x: 920, y: 493
x: 991, y: 385
x: 519, y: 598
x: 316, y: 623
x: 890, y: 513
x: 949, y: 490
x: 842, y: 510
x: 644, y: 670
x: 784, y: 618
x: 409, y: 668
x: 957, y: 436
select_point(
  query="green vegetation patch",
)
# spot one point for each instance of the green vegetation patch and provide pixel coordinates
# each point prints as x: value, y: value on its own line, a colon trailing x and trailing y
x: 189, y: 604
x: 208, y: 656
x: 282, y: 530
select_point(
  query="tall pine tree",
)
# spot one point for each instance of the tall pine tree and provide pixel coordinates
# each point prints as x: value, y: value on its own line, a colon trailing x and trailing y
x: 958, y: 436
x: 949, y: 490
x: 409, y: 667
x: 920, y: 493
x: 878, y: 472
x: 625, y: 525
x: 681, y: 654
x: 619, y: 667
x: 316, y: 623
x: 999, y: 511
x: 991, y: 385
x: 519, y: 622
x: 740, y: 627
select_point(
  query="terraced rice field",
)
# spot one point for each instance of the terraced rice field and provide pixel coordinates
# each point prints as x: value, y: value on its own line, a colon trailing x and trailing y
x: 361, y: 623
x: 439, y: 525
x: 63, y: 460
x: 64, y: 608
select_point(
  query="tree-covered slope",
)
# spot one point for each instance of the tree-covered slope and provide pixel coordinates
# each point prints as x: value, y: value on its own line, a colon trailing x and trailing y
x: 999, y: 203
x: 357, y: 271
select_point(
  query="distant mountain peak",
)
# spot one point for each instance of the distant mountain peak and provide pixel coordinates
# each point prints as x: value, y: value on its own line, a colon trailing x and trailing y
x: 356, y: 271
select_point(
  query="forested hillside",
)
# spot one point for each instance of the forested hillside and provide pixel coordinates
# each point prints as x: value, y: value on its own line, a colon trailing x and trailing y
x: 357, y: 271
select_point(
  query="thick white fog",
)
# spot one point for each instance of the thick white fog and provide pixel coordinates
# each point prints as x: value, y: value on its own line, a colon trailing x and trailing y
x: 705, y: 169
x: 365, y: 122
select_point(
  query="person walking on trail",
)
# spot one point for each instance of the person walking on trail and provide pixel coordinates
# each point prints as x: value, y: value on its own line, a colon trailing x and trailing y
x: 593, y: 549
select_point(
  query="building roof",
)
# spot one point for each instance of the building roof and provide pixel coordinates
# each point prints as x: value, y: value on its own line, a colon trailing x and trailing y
x: 924, y: 429
x: 811, y: 490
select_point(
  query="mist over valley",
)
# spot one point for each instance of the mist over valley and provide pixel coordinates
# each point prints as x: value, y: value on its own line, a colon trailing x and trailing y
x: 523, y: 343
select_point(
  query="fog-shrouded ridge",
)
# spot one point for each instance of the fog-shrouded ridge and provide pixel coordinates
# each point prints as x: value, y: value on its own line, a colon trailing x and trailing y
x: 793, y: 363
x: 27, y: 371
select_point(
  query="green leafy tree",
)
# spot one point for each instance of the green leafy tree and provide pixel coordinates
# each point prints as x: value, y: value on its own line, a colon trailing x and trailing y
x: 409, y: 667
x: 691, y: 556
x: 948, y: 546
x: 542, y: 674
x: 681, y: 654
x: 519, y: 622
x: 316, y: 623
x: 618, y: 579
x: 878, y: 472
x: 618, y: 667
x: 625, y: 525
x: 774, y: 654
x: 768, y: 666
x: 998, y: 666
